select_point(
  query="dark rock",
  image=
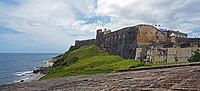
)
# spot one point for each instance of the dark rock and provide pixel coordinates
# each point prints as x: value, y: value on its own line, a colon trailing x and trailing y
x: 21, y: 81
x: 42, y: 70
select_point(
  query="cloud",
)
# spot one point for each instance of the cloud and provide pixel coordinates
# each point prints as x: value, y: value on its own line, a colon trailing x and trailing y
x: 53, y: 25
x: 182, y: 15
x: 196, y: 34
x: 45, y: 24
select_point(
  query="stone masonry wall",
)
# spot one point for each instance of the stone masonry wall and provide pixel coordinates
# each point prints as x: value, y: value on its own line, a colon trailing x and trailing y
x: 85, y: 42
x: 124, y: 42
x: 144, y: 43
x: 150, y: 35
x: 118, y: 42
x: 157, y: 55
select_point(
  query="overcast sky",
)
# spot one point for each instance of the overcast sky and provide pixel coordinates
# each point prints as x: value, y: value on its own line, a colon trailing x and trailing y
x: 51, y: 26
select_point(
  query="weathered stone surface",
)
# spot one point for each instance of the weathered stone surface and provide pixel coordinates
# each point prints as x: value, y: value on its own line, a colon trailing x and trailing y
x: 85, y: 42
x: 158, y: 55
x: 167, y: 79
x: 148, y: 35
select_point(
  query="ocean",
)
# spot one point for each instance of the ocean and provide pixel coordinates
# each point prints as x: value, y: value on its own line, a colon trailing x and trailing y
x: 15, y: 67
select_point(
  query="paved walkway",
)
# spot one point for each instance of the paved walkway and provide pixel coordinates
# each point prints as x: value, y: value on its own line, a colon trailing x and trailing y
x: 165, y: 79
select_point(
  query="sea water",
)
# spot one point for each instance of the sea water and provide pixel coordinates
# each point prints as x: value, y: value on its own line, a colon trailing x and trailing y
x: 15, y: 67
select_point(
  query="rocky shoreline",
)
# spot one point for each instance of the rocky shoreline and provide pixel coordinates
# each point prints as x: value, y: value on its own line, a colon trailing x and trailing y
x: 41, y: 71
x: 38, y: 72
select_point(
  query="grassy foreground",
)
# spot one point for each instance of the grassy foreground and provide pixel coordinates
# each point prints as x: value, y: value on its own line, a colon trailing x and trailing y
x: 88, y: 60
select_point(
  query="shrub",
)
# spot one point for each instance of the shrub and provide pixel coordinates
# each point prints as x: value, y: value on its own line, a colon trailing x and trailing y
x: 71, y: 61
x: 72, y: 48
x: 139, y: 64
x: 60, y: 58
x: 195, y: 57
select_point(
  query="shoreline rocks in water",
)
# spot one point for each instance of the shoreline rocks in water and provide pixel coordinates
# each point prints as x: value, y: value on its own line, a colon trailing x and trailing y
x: 41, y: 70
x: 44, y: 69
x: 49, y: 63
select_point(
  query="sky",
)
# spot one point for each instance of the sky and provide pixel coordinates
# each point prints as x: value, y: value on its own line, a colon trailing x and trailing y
x: 52, y: 26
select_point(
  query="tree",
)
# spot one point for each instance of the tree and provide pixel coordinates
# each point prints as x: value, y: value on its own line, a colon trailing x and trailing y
x: 195, y: 57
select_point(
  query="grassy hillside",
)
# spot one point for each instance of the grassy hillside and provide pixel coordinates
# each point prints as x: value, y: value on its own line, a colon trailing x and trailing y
x: 88, y: 60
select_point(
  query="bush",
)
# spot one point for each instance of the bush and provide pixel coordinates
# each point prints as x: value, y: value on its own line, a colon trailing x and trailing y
x: 195, y: 57
x: 72, y: 48
x: 139, y: 64
x: 60, y: 58
x: 70, y: 61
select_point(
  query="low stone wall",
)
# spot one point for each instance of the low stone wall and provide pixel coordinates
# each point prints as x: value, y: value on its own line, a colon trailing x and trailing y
x: 157, y: 55
x: 85, y: 42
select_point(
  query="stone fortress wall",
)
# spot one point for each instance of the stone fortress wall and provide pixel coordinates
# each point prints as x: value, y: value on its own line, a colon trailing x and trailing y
x: 85, y: 42
x: 144, y: 43
x: 121, y: 42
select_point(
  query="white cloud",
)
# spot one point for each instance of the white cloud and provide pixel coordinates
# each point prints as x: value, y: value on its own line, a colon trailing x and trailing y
x: 196, y: 34
x: 181, y: 15
x: 46, y: 22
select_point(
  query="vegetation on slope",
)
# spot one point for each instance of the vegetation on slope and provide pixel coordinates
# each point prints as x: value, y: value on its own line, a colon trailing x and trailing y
x: 88, y: 60
x: 195, y: 57
x: 91, y: 60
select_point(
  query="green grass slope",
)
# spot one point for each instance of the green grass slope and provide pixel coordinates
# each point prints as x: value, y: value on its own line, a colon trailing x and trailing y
x: 88, y: 60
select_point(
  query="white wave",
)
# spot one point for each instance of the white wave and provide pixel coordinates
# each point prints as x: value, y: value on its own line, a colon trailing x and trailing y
x: 26, y: 77
x: 17, y: 81
x: 23, y: 73
x: 45, y: 61
x: 22, y: 80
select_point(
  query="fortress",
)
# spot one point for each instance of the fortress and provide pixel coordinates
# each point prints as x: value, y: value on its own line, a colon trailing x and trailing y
x: 145, y: 43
